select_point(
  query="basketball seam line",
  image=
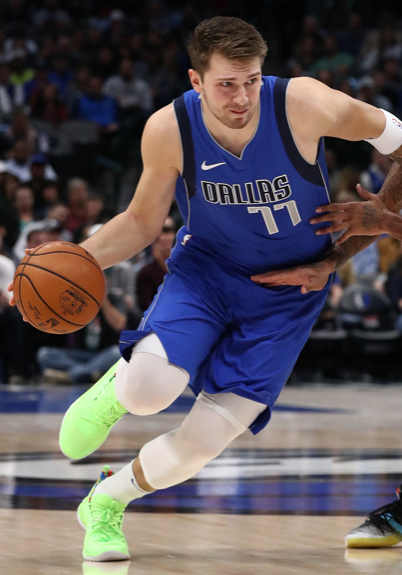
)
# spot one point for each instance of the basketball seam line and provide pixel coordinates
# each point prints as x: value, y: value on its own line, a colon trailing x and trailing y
x: 66, y: 279
x: 46, y: 304
x: 69, y: 253
x: 21, y: 275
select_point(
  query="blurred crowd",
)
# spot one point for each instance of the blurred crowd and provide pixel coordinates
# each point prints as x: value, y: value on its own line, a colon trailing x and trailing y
x: 78, y: 81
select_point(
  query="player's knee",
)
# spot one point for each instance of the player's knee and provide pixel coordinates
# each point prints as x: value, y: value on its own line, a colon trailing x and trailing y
x: 149, y: 384
x: 142, y: 395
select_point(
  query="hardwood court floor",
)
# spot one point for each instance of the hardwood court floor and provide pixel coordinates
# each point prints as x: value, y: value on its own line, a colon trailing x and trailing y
x: 329, y: 454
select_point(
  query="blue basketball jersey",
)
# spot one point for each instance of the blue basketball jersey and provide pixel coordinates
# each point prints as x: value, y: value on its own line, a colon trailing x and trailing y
x: 252, y: 212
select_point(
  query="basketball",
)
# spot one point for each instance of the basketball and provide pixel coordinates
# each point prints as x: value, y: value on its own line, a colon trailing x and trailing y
x: 59, y: 287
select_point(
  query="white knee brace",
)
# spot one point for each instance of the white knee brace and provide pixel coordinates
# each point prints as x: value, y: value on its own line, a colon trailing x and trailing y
x: 149, y: 383
x: 213, y: 422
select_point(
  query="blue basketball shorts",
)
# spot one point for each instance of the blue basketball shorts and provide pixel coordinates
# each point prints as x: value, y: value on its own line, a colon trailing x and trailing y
x: 228, y: 333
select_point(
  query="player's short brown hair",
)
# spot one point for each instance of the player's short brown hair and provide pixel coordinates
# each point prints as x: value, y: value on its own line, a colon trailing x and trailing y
x: 230, y: 37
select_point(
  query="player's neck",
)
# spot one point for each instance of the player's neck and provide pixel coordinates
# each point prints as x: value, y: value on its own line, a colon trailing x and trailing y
x: 232, y: 140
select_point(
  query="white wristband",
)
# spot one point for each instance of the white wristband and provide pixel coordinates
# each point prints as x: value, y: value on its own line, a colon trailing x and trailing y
x: 391, y: 138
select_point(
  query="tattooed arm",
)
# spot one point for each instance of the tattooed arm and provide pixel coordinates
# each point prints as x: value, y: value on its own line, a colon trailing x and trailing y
x: 363, y: 220
x: 373, y: 217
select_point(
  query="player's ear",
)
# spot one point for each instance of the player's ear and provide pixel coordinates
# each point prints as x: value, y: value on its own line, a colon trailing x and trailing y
x: 195, y: 80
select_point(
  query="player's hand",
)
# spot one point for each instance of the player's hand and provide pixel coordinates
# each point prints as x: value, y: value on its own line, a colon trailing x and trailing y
x: 356, y: 218
x: 313, y: 277
x: 10, y: 285
x: 10, y: 288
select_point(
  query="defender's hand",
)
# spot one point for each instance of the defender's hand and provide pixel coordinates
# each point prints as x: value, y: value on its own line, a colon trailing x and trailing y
x: 313, y: 277
x: 356, y: 218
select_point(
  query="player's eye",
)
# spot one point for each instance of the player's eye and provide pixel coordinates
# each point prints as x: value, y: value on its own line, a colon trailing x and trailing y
x: 226, y: 84
x: 252, y: 81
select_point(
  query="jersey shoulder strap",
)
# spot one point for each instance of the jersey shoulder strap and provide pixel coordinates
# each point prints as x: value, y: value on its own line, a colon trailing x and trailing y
x: 187, y: 144
x: 310, y: 172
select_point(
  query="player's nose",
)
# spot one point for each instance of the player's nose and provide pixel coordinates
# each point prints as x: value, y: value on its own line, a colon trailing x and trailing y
x: 241, y: 98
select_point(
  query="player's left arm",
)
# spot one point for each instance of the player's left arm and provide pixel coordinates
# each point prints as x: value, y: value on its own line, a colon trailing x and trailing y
x: 328, y: 112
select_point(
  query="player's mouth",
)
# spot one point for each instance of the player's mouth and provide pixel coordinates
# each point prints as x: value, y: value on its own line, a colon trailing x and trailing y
x: 239, y: 112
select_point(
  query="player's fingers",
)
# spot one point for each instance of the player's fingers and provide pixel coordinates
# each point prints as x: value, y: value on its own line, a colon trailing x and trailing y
x: 332, y: 208
x: 28, y: 251
x: 10, y: 286
x: 364, y: 193
x: 330, y: 229
x: 273, y: 278
x: 326, y: 218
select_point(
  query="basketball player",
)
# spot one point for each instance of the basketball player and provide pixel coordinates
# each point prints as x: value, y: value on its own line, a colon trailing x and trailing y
x: 244, y: 155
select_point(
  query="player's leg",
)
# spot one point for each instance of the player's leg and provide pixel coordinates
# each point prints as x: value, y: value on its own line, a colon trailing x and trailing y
x: 382, y: 528
x: 213, y: 422
x: 144, y: 386
x: 185, y: 328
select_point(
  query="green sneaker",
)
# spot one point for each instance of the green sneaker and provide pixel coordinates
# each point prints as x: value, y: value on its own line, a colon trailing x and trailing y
x: 89, y: 420
x: 102, y: 518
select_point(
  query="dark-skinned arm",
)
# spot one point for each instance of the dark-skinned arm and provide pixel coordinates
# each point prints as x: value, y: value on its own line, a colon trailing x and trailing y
x: 368, y: 219
x: 377, y: 215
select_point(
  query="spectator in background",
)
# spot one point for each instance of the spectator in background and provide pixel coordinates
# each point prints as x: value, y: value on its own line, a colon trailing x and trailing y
x: 22, y: 129
x: 389, y: 250
x: 11, y: 326
x: 351, y: 39
x: 24, y: 204
x: 21, y: 73
x: 158, y: 77
x: 78, y: 195
x: 46, y: 196
x: 61, y: 75
x: 393, y: 287
x: 34, y: 86
x: 21, y: 161
x: 373, y: 178
x: 333, y: 60
x: 392, y: 85
x: 307, y: 52
x: 368, y: 93
x: 326, y: 77
x: 104, y: 64
x: 366, y: 264
x: 348, y: 179
x: 381, y: 45
x: 131, y: 93
x: 49, y: 106
x: 38, y: 180
x: 151, y: 276
x: 98, y: 107
x: 36, y: 238
x: 11, y: 97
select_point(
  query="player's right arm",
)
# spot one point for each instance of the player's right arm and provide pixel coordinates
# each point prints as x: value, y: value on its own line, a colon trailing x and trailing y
x: 130, y: 232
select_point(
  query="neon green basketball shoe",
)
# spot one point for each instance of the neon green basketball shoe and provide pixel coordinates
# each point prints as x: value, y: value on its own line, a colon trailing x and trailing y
x: 102, y: 518
x: 89, y: 420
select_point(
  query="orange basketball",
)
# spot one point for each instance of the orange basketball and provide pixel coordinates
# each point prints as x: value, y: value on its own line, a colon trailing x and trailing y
x: 59, y: 287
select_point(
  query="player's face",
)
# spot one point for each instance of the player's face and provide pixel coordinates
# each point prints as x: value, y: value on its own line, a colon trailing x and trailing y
x: 231, y: 90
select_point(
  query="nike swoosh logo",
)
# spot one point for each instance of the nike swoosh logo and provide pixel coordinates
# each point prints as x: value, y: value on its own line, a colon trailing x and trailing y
x: 205, y: 167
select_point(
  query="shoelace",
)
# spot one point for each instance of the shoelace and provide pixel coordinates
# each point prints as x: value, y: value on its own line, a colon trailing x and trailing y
x: 104, y: 418
x: 379, y: 516
x: 107, y: 522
